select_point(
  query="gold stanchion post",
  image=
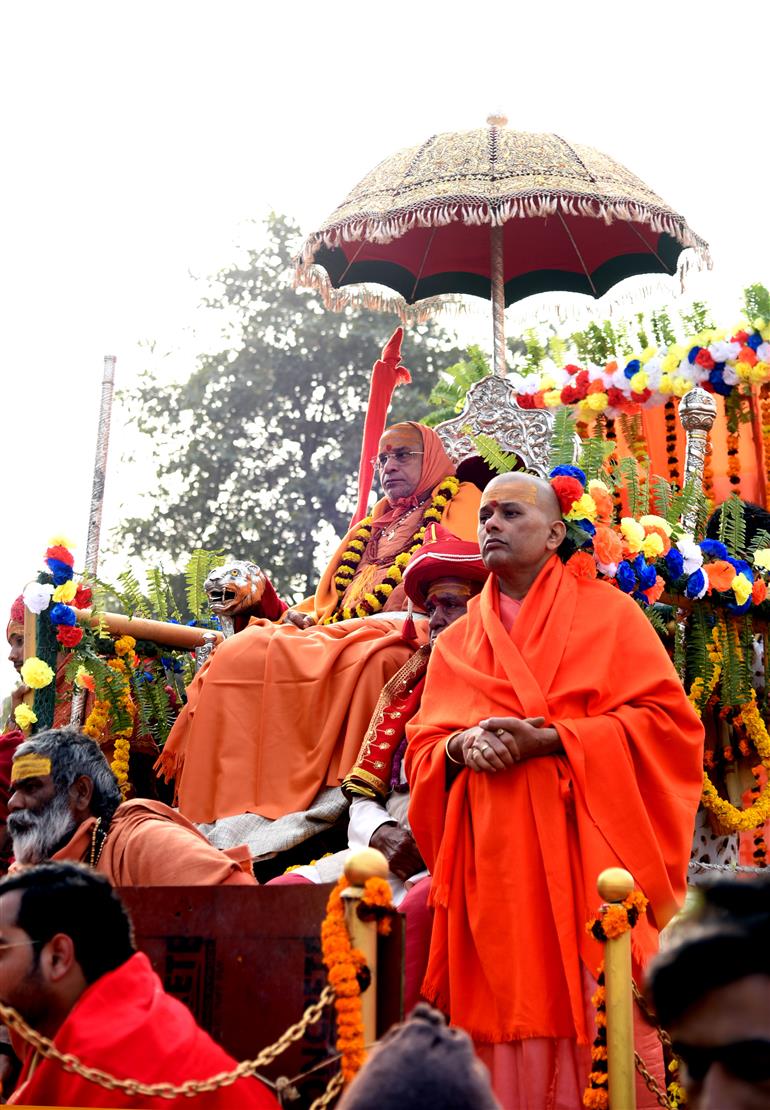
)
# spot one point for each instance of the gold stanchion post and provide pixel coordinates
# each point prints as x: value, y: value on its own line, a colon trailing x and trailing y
x: 614, y: 885
x: 367, y: 863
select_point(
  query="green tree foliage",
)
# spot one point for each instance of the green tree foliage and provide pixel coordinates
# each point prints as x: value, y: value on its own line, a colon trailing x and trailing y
x: 257, y: 453
x: 448, y: 394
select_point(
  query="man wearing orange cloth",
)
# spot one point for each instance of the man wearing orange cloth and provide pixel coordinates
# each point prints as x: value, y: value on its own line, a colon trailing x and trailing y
x: 66, y: 805
x: 70, y: 968
x: 554, y: 739
x: 277, y: 714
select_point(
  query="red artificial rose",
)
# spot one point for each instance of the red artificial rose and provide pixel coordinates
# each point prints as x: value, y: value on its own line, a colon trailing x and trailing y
x: 526, y: 401
x: 572, y: 369
x: 640, y: 398
x: 567, y: 490
x: 570, y: 395
x: 82, y: 598
x: 616, y: 397
x: 69, y: 635
x: 740, y: 337
x: 60, y: 553
x: 704, y: 359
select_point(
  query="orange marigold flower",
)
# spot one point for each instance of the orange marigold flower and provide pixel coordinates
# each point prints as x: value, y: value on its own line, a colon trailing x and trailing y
x: 655, y: 591
x: 608, y: 545
x: 759, y: 592
x: 596, y: 1099
x: 720, y: 574
x: 582, y: 565
x: 615, y: 921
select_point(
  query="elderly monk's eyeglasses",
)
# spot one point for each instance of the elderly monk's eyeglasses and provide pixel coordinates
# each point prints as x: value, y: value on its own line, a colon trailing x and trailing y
x: 401, y: 455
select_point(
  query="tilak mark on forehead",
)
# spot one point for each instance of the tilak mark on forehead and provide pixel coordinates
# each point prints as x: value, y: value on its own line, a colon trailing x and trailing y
x: 449, y: 586
x: 521, y: 490
x: 30, y: 766
x: 400, y: 435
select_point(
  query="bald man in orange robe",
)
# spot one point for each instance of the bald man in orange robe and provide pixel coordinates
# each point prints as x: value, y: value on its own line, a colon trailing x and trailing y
x: 554, y: 739
x: 278, y: 713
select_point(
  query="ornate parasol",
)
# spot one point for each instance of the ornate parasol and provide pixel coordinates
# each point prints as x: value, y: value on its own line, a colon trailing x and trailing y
x: 496, y: 213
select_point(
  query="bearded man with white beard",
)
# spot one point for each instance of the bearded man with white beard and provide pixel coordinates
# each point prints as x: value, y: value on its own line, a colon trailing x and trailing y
x: 65, y: 804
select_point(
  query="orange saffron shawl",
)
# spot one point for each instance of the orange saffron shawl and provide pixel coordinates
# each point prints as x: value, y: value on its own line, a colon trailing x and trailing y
x: 515, y: 855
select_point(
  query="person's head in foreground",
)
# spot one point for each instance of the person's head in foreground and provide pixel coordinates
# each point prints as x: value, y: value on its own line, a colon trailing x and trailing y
x: 420, y: 1064
x: 520, y: 528
x: 62, y: 927
x: 14, y: 634
x: 711, y: 992
x: 442, y: 577
x: 58, y: 780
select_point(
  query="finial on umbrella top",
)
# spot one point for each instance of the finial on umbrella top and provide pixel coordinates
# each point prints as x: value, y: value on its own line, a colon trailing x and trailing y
x: 497, y: 119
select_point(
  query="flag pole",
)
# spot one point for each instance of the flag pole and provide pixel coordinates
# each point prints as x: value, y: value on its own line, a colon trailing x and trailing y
x: 97, y: 496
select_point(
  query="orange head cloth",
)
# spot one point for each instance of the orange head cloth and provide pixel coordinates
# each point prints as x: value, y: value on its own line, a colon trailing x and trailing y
x: 386, y: 375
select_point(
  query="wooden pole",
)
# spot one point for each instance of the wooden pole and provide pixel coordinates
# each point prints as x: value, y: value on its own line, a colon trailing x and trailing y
x: 367, y: 863
x: 615, y: 885
x: 30, y: 649
x: 180, y: 636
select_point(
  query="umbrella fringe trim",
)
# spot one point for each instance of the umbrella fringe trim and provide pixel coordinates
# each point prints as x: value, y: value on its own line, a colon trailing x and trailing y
x: 337, y: 300
x: 379, y: 229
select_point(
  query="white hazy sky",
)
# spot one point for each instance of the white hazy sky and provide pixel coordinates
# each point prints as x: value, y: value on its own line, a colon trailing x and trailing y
x: 139, y: 138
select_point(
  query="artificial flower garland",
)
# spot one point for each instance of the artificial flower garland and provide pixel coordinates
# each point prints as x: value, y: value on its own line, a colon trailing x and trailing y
x: 612, y: 920
x: 709, y: 359
x: 374, y: 601
x: 346, y: 967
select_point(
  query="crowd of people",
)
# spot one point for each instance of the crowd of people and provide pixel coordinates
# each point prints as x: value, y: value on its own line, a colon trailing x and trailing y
x: 499, y: 728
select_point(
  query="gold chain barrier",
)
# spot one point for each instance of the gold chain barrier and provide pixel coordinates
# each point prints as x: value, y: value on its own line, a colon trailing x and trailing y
x: 246, y: 1069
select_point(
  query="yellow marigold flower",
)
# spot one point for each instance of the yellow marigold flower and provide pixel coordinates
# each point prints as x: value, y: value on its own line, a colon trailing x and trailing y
x: 547, y: 381
x: 669, y: 363
x: 357, y: 545
x: 36, y: 673
x: 743, y: 370
x: 742, y: 588
x: 665, y: 385
x: 583, y: 509
x: 60, y: 540
x: 639, y: 381
x: 66, y: 592
x: 632, y: 533
x: 652, y: 546
x: 681, y: 386
x: 762, y: 558
x: 652, y: 521
x: 24, y: 716
x: 386, y: 589
x: 552, y: 398
x: 648, y: 353
x: 125, y: 645
x: 597, y: 402
x: 759, y: 372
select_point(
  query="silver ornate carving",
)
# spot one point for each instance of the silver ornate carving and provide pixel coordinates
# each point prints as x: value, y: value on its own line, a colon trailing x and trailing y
x: 204, y: 651
x: 234, y: 588
x: 491, y: 409
x: 697, y: 412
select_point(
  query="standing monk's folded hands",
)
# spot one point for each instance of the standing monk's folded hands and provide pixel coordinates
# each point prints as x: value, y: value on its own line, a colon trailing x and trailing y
x: 497, y: 743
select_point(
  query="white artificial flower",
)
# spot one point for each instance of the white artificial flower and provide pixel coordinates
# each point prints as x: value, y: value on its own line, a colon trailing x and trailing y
x: 610, y: 569
x: 721, y: 351
x: 37, y: 596
x: 729, y: 376
x: 691, y: 553
x: 763, y: 352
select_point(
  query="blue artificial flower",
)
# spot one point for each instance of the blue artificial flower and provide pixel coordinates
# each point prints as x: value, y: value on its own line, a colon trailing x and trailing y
x: 718, y: 383
x: 631, y: 368
x: 61, y: 572
x: 587, y: 526
x: 713, y: 548
x: 144, y: 676
x: 754, y: 341
x: 674, y: 563
x: 741, y: 567
x: 647, y: 577
x: 63, y: 614
x: 733, y: 607
x: 637, y: 595
x: 569, y: 472
x: 695, y: 584
x: 692, y: 354
x: 625, y: 577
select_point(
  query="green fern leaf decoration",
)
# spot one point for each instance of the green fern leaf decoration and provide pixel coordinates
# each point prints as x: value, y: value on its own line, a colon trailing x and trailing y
x: 493, y: 455
x: 195, y: 573
x: 732, y: 526
x: 562, y: 439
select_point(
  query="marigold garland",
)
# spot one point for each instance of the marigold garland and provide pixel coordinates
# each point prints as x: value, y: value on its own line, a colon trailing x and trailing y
x: 764, y: 408
x: 98, y: 718
x: 345, y: 572
x: 612, y: 920
x: 669, y: 411
x: 346, y: 965
x: 733, y: 463
x: 732, y: 819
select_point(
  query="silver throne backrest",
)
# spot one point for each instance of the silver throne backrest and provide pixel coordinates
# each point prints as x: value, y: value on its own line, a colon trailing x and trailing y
x: 491, y: 409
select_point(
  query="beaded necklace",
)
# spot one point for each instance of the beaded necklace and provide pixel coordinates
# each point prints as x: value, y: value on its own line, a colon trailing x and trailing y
x: 374, y: 601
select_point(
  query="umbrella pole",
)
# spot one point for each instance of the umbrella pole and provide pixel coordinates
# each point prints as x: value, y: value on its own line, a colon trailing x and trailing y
x: 97, y: 498
x: 498, y: 299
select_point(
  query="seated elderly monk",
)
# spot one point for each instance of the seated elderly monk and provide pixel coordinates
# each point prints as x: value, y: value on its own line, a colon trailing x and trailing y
x: 66, y: 805
x: 553, y: 740
x: 278, y: 712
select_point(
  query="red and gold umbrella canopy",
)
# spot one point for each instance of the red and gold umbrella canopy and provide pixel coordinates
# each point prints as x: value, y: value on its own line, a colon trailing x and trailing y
x: 497, y: 213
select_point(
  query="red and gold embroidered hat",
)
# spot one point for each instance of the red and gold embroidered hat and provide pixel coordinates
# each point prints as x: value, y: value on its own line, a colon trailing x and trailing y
x: 442, y: 555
